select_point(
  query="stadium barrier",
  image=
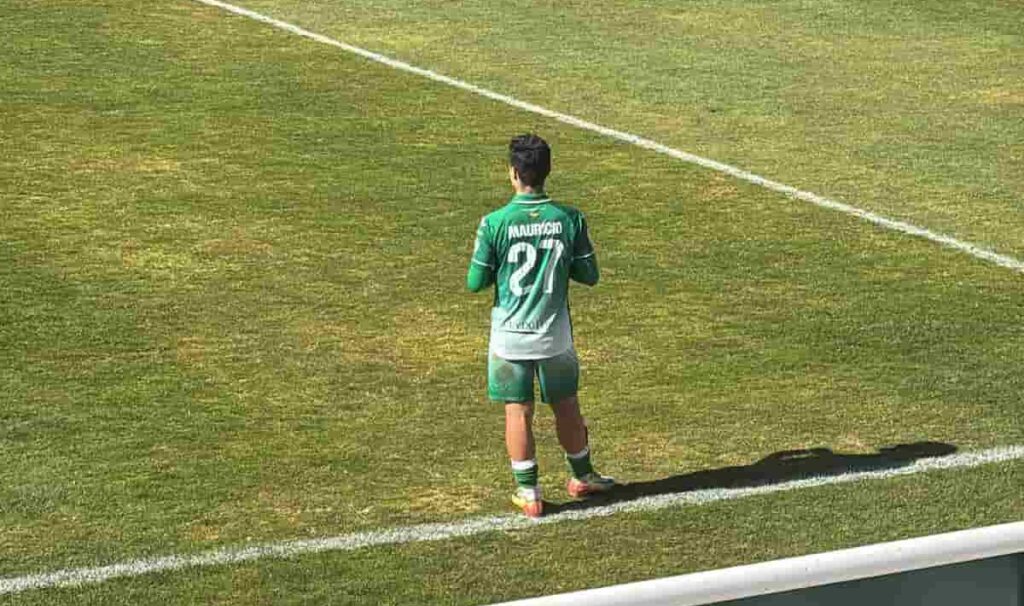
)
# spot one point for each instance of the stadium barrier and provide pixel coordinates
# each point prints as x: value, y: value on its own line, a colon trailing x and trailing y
x: 981, y: 567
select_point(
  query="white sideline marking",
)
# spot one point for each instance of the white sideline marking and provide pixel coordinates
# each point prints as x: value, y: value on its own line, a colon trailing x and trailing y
x: 474, y: 526
x: 900, y: 226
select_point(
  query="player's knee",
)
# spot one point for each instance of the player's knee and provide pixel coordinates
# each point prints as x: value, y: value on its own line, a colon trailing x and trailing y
x: 568, y: 406
x: 519, y: 410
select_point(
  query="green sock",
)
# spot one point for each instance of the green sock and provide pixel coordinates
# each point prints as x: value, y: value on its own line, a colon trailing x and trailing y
x: 525, y: 473
x: 580, y: 463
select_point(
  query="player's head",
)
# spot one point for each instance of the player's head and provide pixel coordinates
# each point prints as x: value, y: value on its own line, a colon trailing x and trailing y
x: 529, y: 160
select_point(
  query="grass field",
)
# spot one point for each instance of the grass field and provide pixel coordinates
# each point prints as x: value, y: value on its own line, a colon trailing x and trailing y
x: 232, y: 262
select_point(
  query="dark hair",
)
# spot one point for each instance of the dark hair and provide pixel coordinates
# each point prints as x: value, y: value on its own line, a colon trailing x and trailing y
x: 531, y: 157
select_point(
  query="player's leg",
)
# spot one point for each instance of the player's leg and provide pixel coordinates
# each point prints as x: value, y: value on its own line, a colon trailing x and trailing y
x: 570, y: 425
x: 519, y: 442
x: 519, y: 431
x: 510, y: 382
x: 572, y: 434
x: 559, y: 381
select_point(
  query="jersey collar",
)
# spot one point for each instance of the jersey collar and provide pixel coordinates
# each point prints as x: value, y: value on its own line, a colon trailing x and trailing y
x: 538, y: 198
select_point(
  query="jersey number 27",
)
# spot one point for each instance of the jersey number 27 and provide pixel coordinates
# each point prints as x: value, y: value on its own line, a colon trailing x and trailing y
x: 521, y: 249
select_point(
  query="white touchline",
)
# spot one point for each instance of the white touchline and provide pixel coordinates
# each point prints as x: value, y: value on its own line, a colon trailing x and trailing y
x: 892, y: 224
x: 475, y: 526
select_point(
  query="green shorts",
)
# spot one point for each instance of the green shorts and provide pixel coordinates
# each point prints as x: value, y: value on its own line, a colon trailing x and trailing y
x: 512, y: 380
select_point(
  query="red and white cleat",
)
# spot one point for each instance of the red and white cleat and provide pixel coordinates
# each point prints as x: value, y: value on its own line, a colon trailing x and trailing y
x: 592, y: 483
x: 529, y: 501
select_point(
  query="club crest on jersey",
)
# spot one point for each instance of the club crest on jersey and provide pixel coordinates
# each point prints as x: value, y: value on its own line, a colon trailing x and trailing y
x: 530, y: 230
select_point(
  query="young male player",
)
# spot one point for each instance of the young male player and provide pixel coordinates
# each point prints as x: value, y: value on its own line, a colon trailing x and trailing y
x: 529, y: 249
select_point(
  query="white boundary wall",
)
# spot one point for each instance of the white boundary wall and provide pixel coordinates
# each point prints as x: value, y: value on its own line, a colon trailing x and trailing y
x: 804, y: 572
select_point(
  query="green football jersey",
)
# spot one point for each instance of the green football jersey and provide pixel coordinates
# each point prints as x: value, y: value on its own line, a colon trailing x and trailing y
x: 530, y: 243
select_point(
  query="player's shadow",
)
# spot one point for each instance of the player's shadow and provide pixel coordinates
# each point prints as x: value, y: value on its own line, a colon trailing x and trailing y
x: 773, y: 469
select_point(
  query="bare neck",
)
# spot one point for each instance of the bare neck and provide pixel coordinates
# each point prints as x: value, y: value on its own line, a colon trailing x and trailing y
x: 528, y: 189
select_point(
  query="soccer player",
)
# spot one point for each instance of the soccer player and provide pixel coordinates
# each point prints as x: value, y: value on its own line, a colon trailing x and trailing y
x: 529, y: 249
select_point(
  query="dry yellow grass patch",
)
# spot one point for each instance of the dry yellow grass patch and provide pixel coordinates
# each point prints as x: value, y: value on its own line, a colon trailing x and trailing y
x: 595, y: 355
x: 163, y: 458
x: 444, y: 500
x: 238, y: 243
x: 129, y: 253
x: 125, y: 164
x: 199, y: 531
x: 852, y: 444
x: 717, y: 188
x: 351, y: 345
x: 650, y: 451
x: 285, y: 508
x: 191, y: 351
x: 424, y: 339
x: 163, y: 261
x: 1001, y: 97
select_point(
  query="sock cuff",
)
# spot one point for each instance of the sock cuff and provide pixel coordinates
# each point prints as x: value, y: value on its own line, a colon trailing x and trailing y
x: 524, y: 465
x: 579, y: 455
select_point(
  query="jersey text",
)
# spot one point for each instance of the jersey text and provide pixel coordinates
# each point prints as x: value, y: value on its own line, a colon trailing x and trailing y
x: 530, y: 230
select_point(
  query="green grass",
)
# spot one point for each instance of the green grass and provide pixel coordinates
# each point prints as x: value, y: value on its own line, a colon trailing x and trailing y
x: 913, y: 110
x: 631, y: 547
x: 232, y: 309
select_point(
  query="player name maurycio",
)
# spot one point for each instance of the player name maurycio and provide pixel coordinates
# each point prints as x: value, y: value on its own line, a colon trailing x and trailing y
x: 529, y: 230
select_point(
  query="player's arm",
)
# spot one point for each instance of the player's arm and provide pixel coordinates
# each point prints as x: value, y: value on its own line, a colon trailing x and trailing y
x: 482, y: 265
x: 585, y: 270
x: 584, y: 260
x: 478, y: 277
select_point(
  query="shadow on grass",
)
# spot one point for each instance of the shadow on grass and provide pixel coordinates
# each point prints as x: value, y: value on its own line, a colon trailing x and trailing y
x: 773, y: 469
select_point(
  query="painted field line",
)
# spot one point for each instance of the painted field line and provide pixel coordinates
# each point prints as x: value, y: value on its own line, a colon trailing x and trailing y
x: 475, y: 526
x: 788, y: 190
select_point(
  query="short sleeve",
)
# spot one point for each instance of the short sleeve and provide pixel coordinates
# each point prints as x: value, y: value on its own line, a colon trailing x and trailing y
x: 483, y: 248
x: 582, y: 248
